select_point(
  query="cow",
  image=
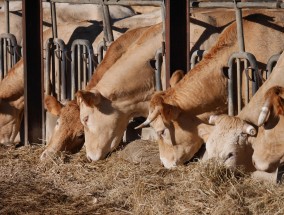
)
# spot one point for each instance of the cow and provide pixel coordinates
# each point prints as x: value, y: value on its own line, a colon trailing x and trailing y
x: 264, y: 143
x: 178, y: 113
x: 68, y: 131
x: 106, y: 109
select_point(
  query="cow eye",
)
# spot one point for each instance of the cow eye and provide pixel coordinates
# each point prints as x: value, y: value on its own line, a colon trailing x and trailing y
x: 81, y: 136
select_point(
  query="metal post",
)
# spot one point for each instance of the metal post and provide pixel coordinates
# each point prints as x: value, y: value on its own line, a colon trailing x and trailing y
x: 33, y: 71
x: 107, y: 23
x: 239, y: 20
x: 53, y: 19
x: 7, y: 16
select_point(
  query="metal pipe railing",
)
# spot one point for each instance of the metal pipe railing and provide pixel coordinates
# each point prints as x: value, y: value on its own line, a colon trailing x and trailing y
x: 7, y: 16
x: 107, y: 23
x: 267, y: 5
x: 196, y: 56
x: 271, y: 63
x: 56, y: 47
x: 88, y: 62
x: 158, y: 69
x: 8, y: 53
x: 231, y: 92
x: 114, y: 2
x: 53, y: 19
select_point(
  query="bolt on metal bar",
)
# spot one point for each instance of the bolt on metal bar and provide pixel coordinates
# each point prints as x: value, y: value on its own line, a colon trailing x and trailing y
x: 90, y: 53
x: 231, y: 93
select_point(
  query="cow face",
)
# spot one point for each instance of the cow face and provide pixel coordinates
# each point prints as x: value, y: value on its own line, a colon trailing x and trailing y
x: 68, y: 133
x: 103, y: 124
x: 177, y: 142
x: 269, y: 144
x: 11, y: 113
x: 228, y: 141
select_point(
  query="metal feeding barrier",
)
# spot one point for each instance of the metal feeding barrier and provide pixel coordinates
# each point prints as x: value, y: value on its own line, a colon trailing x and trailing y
x: 82, y: 65
x: 56, y: 68
x: 9, y: 53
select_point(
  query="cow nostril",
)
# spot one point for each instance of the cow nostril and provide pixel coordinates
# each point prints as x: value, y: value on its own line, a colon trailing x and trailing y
x: 231, y: 154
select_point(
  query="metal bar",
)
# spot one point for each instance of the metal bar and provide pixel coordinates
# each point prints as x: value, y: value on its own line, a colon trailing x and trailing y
x: 100, y: 51
x: 158, y: 65
x: 1, y: 60
x: 231, y: 92
x: 79, y: 66
x: 107, y: 23
x: 239, y: 85
x: 197, y: 54
x: 53, y: 20
x: 268, y: 5
x: 239, y: 20
x: 47, y: 66
x: 7, y: 16
x: 114, y: 2
x: 33, y: 71
x: 271, y: 63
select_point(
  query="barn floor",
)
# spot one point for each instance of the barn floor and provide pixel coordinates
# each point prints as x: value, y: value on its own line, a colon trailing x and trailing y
x: 71, y: 184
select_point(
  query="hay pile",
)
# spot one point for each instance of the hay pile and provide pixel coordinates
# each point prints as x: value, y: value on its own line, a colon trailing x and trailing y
x: 70, y: 184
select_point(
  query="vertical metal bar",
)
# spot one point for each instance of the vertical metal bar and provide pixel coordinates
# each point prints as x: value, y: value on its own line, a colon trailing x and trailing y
x: 107, y: 23
x: 1, y: 60
x: 58, y: 72
x: 239, y: 21
x: 84, y: 55
x: 79, y: 70
x: 53, y: 19
x: 63, y: 75
x: 73, y: 87
x: 239, y: 85
x: 247, y: 86
x: 33, y: 71
x: 188, y: 35
x: 7, y: 16
x: 47, y: 67
x: 5, y: 56
x: 176, y: 36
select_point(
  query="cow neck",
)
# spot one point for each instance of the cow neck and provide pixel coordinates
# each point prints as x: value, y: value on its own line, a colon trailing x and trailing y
x: 251, y: 111
x: 204, y: 88
x: 130, y: 80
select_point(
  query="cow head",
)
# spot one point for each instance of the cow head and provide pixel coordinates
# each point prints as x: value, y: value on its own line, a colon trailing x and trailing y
x: 103, y: 123
x: 177, y: 142
x: 269, y: 144
x: 68, y: 133
x: 228, y: 141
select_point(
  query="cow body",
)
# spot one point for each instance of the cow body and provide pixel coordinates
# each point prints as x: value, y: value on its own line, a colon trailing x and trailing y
x: 178, y: 114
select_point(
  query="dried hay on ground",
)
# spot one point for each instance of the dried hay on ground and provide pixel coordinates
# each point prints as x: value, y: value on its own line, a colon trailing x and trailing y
x: 72, y: 185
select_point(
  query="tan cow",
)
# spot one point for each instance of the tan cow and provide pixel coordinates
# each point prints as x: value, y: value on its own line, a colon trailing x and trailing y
x: 178, y: 113
x: 106, y: 109
x: 68, y: 131
x: 266, y: 135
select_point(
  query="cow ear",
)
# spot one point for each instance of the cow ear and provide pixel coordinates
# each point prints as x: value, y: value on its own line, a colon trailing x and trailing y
x: 52, y: 105
x: 204, y: 131
x: 176, y: 77
x: 90, y: 98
